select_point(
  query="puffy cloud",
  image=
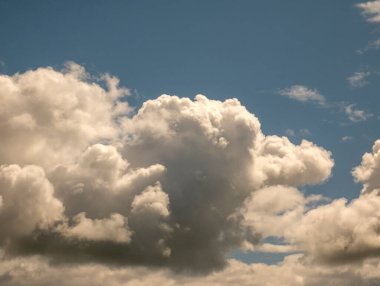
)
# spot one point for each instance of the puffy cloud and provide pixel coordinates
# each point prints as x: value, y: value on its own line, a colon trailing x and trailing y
x: 278, y: 161
x: 336, y: 232
x: 148, y: 219
x: 206, y: 147
x: 179, y: 184
x: 162, y: 187
x: 368, y: 173
x: 371, y: 9
x: 304, y: 94
x: 340, y: 231
x: 277, y: 212
x: 152, y: 202
x: 47, y: 117
x: 215, y: 155
x: 272, y: 210
x: 27, y: 201
x: 101, y: 182
x: 109, y: 229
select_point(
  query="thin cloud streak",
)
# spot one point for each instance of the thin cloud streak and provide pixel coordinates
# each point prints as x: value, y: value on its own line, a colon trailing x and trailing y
x: 305, y: 94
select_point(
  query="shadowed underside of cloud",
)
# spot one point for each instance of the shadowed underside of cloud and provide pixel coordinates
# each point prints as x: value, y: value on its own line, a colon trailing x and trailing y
x: 294, y: 270
x: 177, y: 184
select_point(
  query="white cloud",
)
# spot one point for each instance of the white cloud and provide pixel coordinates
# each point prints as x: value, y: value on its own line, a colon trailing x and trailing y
x: 371, y: 10
x: 337, y: 231
x: 304, y: 94
x: 158, y: 188
x: 358, y: 79
x: 114, y: 229
x: 152, y: 201
x: 48, y: 117
x: 368, y: 171
x: 272, y: 210
x: 340, y: 231
x: 178, y: 181
x: 278, y: 161
x: 215, y: 155
x: 356, y: 115
x: 27, y: 202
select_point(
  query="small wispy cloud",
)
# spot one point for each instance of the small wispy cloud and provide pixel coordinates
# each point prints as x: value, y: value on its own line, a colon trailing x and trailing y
x: 346, y: 138
x: 303, y: 94
x: 375, y: 44
x: 290, y: 132
x: 304, y: 132
x: 358, y: 79
x: 356, y: 115
x: 371, y: 10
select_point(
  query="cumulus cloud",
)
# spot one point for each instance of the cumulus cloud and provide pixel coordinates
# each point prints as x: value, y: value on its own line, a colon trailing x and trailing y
x: 57, y: 113
x: 340, y: 231
x: 358, y: 79
x: 371, y: 10
x: 272, y: 210
x: 160, y: 187
x: 220, y: 155
x: 368, y: 173
x: 303, y: 94
x: 27, y: 201
x: 335, y: 232
x: 278, y: 161
x: 108, y: 229
x: 178, y: 184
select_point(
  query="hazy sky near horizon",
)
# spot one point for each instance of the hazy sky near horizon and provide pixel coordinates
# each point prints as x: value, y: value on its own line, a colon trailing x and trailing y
x: 194, y: 172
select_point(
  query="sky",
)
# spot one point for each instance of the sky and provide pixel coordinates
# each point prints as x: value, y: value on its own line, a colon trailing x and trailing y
x: 190, y: 142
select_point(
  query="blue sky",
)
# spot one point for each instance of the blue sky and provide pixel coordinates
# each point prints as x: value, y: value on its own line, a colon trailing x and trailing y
x: 250, y: 50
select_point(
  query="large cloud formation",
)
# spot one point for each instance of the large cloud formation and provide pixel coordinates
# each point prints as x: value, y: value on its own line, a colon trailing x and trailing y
x: 178, y: 184
x: 159, y: 187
